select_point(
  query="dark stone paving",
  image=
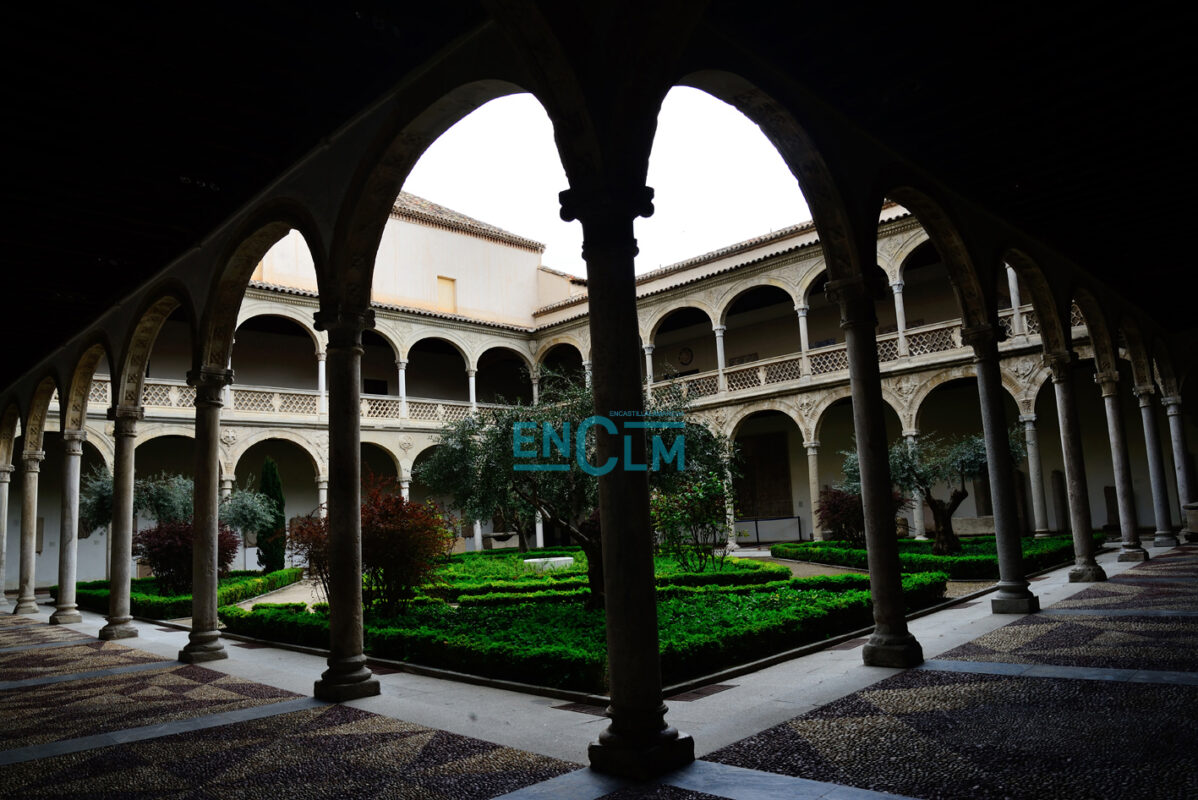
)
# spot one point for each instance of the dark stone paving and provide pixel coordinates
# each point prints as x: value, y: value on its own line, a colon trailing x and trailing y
x: 25, y: 635
x: 87, y: 656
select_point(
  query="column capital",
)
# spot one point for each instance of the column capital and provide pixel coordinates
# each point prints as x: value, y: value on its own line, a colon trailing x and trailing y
x: 897, y: 287
x: 1107, y: 381
x: 647, y: 348
x: 983, y: 339
x: 719, y: 329
x: 597, y: 204
x: 6, y: 471
x: 812, y: 447
x: 1027, y: 419
x: 470, y: 373
x: 1144, y: 392
x: 911, y: 433
x: 344, y: 326
x: 855, y: 301
x: 322, y: 483
x: 1059, y: 364
x: 32, y: 458
x: 125, y: 419
x: 321, y: 355
x: 1172, y: 403
x: 209, y: 383
x: 801, y: 309
x: 72, y: 442
x: 402, y: 363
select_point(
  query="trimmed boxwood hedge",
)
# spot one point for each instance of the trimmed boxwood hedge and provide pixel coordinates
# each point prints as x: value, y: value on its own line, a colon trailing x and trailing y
x: 978, y: 559
x: 144, y: 601
x: 563, y: 645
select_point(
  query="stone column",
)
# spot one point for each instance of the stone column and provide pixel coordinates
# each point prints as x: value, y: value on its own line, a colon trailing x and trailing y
x: 1013, y: 595
x: 1017, y: 324
x: 817, y: 532
x: 1131, y: 550
x: 638, y: 742
x: 402, y: 367
x: 900, y: 318
x: 405, y: 489
x: 470, y: 373
x: 1181, y: 462
x: 891, y: 644
x: 1165, y: 537
x: 718, y: 330
x: 203, y: 643
x: 120, y: 539
x: 918, y: 520
x: 478, y: 536
x: 322, y: 401
x: 536, y: 388
x: 31, y: 461
x: 586, y: 371
x: 226, y: 488
x: 5, y: 478
x: 347, y: 676
x: 1035, y: 475
x: 68, y: 537
x: 540, y: 530
x: 649, y: 373
x: 322, y: 496
x: 804, y: 341
x: 1086, y: 569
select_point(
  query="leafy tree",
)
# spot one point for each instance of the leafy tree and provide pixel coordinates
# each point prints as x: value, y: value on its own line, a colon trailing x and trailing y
x: 931, y: 462
x: 167, y: 547
x: 165, y: 497
x: 247, y: 510
x: 477, y: 464
x: 842, y: 514
x: 95, y: 499
x: 272, y: 537
x: 308, y: 542
x: 692, y: 520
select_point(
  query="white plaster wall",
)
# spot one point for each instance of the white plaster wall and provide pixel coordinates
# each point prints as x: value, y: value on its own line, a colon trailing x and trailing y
x: 288, y: 263
x: 274, y: 359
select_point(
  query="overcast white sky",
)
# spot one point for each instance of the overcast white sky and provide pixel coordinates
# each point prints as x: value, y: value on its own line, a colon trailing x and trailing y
x: 717, y: 179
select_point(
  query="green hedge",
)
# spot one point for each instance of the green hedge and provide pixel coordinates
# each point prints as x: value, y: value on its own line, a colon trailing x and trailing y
x: 144, y: 600
x: 560, y: 644
x: 977, y: 559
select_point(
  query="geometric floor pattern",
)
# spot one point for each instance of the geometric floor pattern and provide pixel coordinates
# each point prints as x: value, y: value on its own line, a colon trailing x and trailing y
x: 68, y: 659
x: 947, y: 735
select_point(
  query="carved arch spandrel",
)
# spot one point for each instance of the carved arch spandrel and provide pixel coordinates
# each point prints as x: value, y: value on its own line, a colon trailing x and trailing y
x: 34, y: 426
x: 127, y: 389
x: 10, y: 422
x: 74, y: 411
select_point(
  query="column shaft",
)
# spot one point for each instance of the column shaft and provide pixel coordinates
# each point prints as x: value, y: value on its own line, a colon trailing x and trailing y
x: 322, y: 496
x: 31, y: 462
x: 1017, y: 325
x: 900, y: 318
x: 721, y: 382
x: 891, y: 644
x: 804, y: 342
x: 817, y: 531
x: 322, y: 401
x: 1164, y: 537
x: 6, y: 471
x: 347, y: 676
x: 1131, y: 550
x: 68, y: 537
x: 470, y: 373
x: 648, y: 372
x: 1013, y: 596
x: 120, y: 540
x: 638, y: 742
x: 405, y: 489
x: 1035, y: 476
x: 1085, y: 569
x: 1181, y: 462
x: 540, y: 531
x: 402, y: 369
x: 203, y: 643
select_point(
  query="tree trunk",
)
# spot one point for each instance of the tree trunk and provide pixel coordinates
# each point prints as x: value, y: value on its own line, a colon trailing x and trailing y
x: 945, y: 541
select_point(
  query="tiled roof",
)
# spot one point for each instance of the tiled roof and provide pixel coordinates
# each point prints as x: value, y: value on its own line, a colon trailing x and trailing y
x: 409, y: 206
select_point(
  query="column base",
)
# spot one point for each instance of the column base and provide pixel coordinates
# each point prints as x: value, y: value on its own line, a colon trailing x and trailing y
x: 671, y: 751
x: 203, y: 646
x: 1087, y: 573
x: 1136, y: 553
x: 346, y: 679
x: 1043, y: 534
x: 1030, y: 604
x: 892, y: 651
x: 25, y: 605
x: 118, y: 628
x: 1165, y: 539
x: 66, y: 616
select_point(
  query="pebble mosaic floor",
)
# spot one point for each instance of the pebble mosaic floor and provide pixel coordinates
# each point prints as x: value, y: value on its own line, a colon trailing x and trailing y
x: 1105, y: 710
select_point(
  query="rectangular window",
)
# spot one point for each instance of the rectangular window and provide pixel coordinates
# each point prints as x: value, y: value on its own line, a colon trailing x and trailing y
x: 447, y: 297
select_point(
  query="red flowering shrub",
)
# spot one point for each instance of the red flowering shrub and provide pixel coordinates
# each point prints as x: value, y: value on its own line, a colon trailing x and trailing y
x: 167, y: 549
x: 403, y: 543
x: 842, y: 515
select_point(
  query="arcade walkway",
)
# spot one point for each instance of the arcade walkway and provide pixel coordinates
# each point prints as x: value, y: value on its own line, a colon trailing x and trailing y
x: 1095, y: 697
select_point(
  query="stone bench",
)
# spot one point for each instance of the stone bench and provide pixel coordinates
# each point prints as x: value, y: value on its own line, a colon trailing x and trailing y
x: 545, y: 564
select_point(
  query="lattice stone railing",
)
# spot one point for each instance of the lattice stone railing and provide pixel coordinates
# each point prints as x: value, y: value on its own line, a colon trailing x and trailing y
x: 933, y: 340
x: 167, y: 395
x: 1031, y: 321
x: 747, y: 378
x: 278, y: 401
x: 888, y: 349
x: 1076, y: 318
x: 667, y: 392
x: 829, y: 359
x: 99, y: 391
x: 703, y: 386
x: 380, y: 406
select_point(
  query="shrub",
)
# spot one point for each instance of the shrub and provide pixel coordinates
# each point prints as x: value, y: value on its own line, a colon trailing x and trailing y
x: 148, y: 599
x: 308, y: 542
x: 842, y: 515
x: 167, y: 548
x: 692, y: 520
x: 403, y: 543
x: 272, y: 538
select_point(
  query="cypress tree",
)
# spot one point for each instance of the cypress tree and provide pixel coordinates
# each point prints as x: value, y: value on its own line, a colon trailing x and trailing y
x: 272, y: 539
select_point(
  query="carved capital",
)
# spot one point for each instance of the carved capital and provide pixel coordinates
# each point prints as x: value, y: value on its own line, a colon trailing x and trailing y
x: 209, y: 383
x: 1172, y: 403
x: 402, y: 364
x: 125, y: 419
x: 1028, y: 419
x: 344, y: 327
x: 911, y: 433
x: 647, y: 348
x: 802, y: 310
x: 72, y: 442
x: 855, y: 300
x: 983, y: 339
x: 6, y: 471
x: 32, y: 460
x: 606, y: 203
x: 812, y: 448
x: 1059, y: 364
x: 1144, y: 393
x: 1107, y: 381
